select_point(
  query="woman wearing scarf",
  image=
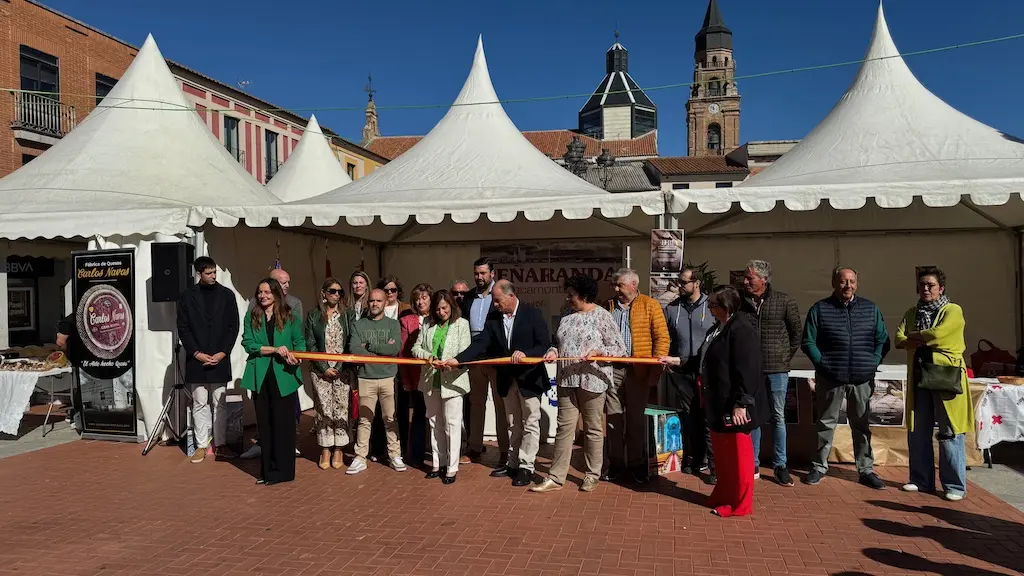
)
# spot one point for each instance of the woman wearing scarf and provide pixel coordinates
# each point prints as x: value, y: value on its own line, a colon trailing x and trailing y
x: 932, y: 333
x: 443, y: 338
x: 734, y: 392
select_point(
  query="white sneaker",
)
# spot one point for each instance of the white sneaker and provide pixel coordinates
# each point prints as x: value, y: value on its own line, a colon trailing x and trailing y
x: 398, y: 464
x: 757, y: 475
x: 358, y: 465
x: 254, y: 452
x: 954, y: 497
x: 297, y: 453
x: 909, y: 488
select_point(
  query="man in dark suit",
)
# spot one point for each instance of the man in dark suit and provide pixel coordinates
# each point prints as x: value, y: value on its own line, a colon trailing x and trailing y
x: 208, y: 328
x: 518, y: 330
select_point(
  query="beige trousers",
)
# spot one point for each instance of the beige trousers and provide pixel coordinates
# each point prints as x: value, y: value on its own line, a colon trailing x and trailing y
x: 572, y: 403
x: 371, y: 391
x: 445, y: 418
x: 523, y: 417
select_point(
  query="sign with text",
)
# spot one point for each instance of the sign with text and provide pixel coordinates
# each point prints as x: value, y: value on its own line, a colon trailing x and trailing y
x: 539, y: 271
x: 104, y: 296
x: 21, y: 308
x: 666, y: 251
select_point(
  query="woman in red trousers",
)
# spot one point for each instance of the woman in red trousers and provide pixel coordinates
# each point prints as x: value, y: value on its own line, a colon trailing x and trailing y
x: 735, y: 401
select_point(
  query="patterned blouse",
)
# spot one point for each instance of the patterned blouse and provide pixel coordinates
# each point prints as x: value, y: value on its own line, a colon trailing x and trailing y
x: 580, y: 333
x: 334, y: 339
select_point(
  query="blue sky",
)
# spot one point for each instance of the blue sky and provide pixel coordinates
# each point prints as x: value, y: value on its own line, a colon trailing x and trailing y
x: 306, y: 54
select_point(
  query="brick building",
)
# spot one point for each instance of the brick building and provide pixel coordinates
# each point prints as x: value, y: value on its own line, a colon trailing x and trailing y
x: 45, y: 51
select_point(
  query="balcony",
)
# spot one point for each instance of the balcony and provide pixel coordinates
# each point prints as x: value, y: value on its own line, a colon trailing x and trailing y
x: 41, y: 119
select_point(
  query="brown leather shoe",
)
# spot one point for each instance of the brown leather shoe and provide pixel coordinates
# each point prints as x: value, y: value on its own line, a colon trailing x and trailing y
x: 464, y: 459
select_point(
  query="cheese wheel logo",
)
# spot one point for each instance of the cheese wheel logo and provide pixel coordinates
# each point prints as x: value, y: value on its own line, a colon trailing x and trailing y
x: 104, y: 321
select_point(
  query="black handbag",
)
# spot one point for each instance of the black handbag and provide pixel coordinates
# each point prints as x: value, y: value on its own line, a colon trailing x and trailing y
x: 939, y: 378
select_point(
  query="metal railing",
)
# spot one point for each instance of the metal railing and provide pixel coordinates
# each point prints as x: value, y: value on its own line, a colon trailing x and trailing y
x: 42, y: 114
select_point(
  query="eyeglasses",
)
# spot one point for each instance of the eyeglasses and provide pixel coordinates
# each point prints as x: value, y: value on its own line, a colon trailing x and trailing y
x: 334, y: 291
x: 459, y: 293
x: 391, y: 290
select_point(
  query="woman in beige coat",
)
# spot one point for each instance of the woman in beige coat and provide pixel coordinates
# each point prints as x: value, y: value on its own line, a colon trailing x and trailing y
x: 443, y: 338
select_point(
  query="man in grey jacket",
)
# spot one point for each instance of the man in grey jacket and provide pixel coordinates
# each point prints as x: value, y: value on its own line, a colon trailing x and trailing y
x: 689, y: 320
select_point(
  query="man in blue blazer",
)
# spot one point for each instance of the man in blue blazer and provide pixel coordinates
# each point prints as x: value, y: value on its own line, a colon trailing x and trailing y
x: 517, y: 330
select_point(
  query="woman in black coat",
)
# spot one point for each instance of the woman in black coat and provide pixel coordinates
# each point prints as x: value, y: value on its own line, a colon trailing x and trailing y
x: 734, y: 396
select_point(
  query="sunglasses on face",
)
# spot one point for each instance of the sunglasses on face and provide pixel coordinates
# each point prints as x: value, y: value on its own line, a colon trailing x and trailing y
x: 334, y: 291
x: 391, y: 290
x: 459, y: 293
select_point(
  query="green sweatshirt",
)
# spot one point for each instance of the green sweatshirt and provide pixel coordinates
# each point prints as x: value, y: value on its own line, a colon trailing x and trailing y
x: 376, y: 338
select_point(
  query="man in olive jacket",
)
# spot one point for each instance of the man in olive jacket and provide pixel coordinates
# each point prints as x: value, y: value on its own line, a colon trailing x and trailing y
x: 777, y: 319
x: 846, y: 339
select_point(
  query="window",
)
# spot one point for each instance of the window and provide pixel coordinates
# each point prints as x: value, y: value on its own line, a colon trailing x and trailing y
x: 351, y: 169
x: 714, y: 60
x: 681, y: 186
x: 714, y: 88
x: 104, y: 84
x: 39, y: 72
x: 231, y: 137
x: 270, y: 139
x: 714, y: 137
x: 590, y: 124
x: 644, y: 121
x: 723, y: 184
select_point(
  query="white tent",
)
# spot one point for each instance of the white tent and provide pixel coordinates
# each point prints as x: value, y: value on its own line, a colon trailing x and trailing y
x: 945, y: 189
x: 474, y: 161
x: 136, y: 164
x: 890, y: 139
x: 311, y: 170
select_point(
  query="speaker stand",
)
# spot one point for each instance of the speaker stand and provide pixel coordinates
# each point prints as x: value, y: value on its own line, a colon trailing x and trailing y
x: 164, y: 420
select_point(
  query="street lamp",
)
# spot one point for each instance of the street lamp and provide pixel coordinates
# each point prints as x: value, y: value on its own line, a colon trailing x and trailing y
x: 604, y: 162
x: 574, y: 156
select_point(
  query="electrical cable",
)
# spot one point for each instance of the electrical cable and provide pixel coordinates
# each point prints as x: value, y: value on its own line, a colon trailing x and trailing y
x: 177, y: 107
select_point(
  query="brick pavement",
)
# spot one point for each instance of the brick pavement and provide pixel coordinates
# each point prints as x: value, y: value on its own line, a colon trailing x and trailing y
x: 91, y: 507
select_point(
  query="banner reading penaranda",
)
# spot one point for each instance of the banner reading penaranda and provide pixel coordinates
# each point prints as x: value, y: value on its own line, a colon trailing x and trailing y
x: 104, y: 315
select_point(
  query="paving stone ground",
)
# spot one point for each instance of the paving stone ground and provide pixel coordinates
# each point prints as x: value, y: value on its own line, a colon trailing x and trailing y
x: 100, y: 508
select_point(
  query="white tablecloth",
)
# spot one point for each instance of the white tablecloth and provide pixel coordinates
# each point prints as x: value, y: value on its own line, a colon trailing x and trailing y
x: 1000, y: 414
x: 15, y: 392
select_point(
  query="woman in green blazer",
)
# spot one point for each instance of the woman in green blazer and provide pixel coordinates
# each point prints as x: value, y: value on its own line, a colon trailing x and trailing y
x: 271, y: 332
x: 933, y: 333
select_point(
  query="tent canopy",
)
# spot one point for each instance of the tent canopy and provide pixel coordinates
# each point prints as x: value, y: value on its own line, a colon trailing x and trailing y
x: 311, y: 170
x: 474, y: 161
x: 135, y: 165
x: 887, y: 138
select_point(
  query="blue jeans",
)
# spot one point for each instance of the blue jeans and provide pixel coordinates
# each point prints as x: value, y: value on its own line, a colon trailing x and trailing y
x: 928, y: 408
x: 777, y: 385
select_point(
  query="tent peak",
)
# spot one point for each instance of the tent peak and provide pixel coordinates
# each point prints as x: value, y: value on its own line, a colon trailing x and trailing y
x: 882, y: 45
x: 478, y: 88
x: 313, y: 125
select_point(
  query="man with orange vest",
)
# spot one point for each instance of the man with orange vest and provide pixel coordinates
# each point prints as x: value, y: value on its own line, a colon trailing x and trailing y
x: 642, y: 324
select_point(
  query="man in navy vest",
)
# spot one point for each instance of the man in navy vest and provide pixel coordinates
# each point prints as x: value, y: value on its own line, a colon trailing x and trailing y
x: 846, y: 339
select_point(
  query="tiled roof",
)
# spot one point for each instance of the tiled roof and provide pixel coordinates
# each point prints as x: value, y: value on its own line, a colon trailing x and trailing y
x: 551, y: 142
x: 686, y: 165
x: 622, y: 177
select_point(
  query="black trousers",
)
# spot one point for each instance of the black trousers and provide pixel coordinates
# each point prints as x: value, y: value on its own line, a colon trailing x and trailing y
x: 696, y: 436
x: 275, y: 422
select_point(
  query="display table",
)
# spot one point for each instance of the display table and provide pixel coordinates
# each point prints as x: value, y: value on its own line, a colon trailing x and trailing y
x: 999, y: 416
x: 888, y: 420
x: 16, y: 390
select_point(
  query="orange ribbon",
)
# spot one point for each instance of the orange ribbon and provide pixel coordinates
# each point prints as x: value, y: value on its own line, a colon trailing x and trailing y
x: 358, y: 359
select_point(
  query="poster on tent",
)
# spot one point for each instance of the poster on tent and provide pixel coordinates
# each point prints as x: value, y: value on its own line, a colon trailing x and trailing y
x: 666, y: 251
x: 664, y: 288
x: 104, y: 298
x: 539, y: 271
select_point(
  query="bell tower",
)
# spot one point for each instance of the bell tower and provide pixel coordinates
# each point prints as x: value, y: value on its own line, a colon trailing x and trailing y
x: 713, y: 110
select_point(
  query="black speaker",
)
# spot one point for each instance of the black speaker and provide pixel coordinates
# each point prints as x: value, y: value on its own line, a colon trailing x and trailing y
x: 172, y: 269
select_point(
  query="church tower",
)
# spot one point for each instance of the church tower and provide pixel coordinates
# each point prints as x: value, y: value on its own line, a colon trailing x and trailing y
x: 713, y: 110
x: 618, y: 109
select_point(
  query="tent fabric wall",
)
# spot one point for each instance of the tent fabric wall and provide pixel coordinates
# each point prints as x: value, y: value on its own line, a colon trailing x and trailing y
x: 978, y: 265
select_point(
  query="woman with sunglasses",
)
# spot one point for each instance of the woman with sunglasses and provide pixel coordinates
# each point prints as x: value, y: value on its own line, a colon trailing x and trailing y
x: 326, y: 330
x: 393, y: 307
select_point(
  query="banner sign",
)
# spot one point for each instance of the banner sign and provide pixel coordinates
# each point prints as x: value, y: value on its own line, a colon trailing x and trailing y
x: 666, y: 251
x: 539, y: 271
x: 103, y: 291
